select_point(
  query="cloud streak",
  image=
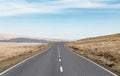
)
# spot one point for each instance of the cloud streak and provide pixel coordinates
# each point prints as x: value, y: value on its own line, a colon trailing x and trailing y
x: 16, y: 7
x: 109, y: 2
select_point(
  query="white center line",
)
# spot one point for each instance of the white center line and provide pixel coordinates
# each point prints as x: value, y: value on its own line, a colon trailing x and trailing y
x: 60, y: 60
x: 61, y: 69
x: 59, y: 53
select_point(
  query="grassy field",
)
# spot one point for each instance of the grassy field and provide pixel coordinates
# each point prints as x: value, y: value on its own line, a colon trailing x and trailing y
x: 104, y: 50
x: 11, y: 53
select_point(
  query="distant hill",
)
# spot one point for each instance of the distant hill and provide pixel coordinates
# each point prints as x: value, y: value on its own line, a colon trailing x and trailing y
x: 28, y: 39
x: 8, y: 36
x: 17, y: 38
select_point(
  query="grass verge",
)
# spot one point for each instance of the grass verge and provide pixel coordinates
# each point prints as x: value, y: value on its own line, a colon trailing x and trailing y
x: 104, y: 50
x: 6, y: 63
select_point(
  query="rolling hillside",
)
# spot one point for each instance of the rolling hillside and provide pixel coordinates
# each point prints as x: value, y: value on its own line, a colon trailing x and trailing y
x: 104, y: 50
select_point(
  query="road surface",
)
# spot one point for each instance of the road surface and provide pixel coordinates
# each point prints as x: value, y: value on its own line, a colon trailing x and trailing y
x: 57, y: 61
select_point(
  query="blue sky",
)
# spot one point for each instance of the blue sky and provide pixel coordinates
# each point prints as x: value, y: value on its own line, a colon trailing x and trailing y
x: 61, y: 19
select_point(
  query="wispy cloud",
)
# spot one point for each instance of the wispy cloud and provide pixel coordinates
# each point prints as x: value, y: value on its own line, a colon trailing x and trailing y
x: 15, y: 7
x: 110, y: 2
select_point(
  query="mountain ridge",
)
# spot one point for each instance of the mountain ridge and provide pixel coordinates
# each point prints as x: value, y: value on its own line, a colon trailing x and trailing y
x: 28, y: 39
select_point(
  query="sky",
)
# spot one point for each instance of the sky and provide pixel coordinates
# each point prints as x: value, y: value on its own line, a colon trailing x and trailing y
x: 60, y: 19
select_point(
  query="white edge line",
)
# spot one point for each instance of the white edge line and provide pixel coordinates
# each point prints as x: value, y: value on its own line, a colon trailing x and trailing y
x: 23, y: 61
x: 61, y: 69
x: 91, y: 61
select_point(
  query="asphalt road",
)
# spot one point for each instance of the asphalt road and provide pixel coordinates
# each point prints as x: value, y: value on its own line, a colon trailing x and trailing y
x: 57, y: 61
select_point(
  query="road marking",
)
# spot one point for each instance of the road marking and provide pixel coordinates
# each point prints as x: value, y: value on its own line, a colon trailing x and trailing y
x: 60, y: 60
x: 92, y: 62
x: 61, y: 69
x: 24, y: 61
x: 59, y: 53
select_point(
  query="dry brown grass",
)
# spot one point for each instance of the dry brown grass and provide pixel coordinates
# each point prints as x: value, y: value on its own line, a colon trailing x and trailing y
x: 11, y: 53
x: 105, y: 50
x: 8, y: 50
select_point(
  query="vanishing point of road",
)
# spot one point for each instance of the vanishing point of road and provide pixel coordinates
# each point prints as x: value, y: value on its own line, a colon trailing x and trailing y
x: 57, y: 60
